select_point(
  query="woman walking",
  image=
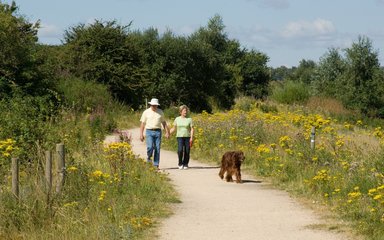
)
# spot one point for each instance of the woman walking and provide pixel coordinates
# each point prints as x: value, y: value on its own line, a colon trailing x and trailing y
x: 184, y: 134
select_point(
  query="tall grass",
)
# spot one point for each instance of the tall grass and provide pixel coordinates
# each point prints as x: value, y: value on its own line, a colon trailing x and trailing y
x: 109, y: 193
x: 343, y: 172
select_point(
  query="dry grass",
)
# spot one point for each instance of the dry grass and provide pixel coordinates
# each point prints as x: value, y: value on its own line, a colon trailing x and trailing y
x: 328, y: 106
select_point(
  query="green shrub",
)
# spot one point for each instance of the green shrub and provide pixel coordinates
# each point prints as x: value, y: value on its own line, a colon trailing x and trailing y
x: 24, y: 120
x: 171, y: 112
x: 290, y: 92
x: 245, y: 103
x: 266, y: 108
x: 85, y: 96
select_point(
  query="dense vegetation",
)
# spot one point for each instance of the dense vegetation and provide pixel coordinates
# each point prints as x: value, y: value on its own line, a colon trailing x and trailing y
x: 342, y: 170
x: 77, y: 92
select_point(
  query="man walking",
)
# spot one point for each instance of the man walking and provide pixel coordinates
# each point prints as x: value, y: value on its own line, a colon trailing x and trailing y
x: 151, y: 120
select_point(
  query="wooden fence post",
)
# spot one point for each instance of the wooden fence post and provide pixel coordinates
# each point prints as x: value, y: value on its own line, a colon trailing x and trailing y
x: 313, y: 133
x: 60, y: 166
x: 15, y: 177
x: 48, y: 171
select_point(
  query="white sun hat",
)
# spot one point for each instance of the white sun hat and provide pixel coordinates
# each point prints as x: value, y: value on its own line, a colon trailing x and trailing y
x: 154, y: 101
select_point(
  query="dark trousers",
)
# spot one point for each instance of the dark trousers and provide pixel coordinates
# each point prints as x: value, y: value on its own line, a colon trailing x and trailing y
x: 183, y: 150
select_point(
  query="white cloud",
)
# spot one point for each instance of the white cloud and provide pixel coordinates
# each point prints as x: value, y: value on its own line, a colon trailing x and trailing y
x: 319, y: 27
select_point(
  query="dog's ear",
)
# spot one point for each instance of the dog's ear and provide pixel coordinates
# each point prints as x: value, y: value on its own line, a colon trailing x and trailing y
x: 240, y: 155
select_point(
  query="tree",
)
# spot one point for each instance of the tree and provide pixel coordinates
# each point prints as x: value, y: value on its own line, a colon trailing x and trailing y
x: 280, y: 73
x: 18, y: 67
x: 362, y: 82
x: 104, y: 53
x: 214, y: 43
x: 231, y: 70
x: 255, y: 74
x: 304, y: 72
x: 327, y: 77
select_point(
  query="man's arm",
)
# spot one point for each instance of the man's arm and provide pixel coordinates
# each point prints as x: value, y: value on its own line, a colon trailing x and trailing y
x: 142, y: 125
x: 167, y: 132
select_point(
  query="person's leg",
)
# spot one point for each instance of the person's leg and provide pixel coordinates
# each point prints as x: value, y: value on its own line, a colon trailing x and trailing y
x: 157, y: 142
x: 180, y: 151
x: 149, y: 140
x: 187, y: 150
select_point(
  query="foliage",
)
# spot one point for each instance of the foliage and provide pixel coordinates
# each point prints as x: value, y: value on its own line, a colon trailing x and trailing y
x: 95, y: 202
x: 102, y: 52
x: 344, y: 170
x: 24, y: 121
x: 84, y: 96
x: 51, y: 94
x: 304, y: 72
x: 18, y: 65
x: 244, y: 103
x: 108, y: 193
x: 255, y: 75
x: 356, y: 79
x: 362, y: 85
x: 137, y: 65
x: 290, y: 92
x: 327, y: 74
x: 281, y: 73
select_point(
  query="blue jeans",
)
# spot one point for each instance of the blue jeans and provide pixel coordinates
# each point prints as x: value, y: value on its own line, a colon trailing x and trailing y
x: 183, y: 150
x: 153, y: 141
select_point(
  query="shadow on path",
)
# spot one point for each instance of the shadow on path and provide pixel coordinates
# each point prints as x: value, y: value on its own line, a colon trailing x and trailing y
x: 251, y: 181
x: 191, y: 168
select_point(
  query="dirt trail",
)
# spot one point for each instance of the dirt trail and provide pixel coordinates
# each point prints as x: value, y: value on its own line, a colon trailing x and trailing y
x: 214, y: 209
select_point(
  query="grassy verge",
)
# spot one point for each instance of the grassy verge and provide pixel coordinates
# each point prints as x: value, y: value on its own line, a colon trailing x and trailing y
x: 343, y: 172
x: 109, y: 193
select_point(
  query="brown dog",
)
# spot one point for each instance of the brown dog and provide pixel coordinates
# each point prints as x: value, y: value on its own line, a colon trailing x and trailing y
x: 230, y: 163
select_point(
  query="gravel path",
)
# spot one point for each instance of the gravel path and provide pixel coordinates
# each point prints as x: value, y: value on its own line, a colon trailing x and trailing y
x: 214, y: 209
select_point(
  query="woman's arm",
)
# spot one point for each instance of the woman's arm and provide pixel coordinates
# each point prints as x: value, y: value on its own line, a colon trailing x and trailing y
x: 192, y: 131
x: 172, y: 129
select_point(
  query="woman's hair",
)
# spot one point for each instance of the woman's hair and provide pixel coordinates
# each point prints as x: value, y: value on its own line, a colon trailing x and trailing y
x: 182, y: 107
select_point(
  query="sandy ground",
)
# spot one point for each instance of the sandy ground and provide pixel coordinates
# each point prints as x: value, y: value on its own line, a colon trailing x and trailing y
x: 214, y: 209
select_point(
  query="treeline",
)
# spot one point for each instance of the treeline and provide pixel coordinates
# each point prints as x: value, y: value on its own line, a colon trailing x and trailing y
x: 103, y: 63
x: 352, y: 75
x: 204, y: 70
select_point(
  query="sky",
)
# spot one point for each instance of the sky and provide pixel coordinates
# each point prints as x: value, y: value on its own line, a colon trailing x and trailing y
x: 287, y: 31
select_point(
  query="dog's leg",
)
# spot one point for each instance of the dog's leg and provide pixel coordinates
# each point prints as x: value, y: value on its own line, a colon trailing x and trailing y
x: 221, y: 173
x: 238, y: 176
x: 228, y: 177
x: 222, y: 168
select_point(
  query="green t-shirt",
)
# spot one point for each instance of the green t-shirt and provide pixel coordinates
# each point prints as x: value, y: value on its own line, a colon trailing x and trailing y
x: 183, y: 126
